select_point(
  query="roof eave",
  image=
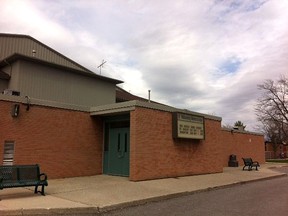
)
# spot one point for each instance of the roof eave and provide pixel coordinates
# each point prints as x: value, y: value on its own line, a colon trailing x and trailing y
x: 131, y: 105
x: 44, y: 45
x: 16, y: 56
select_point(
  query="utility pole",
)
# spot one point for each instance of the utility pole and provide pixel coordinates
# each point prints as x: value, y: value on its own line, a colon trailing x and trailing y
x: 101, y: 65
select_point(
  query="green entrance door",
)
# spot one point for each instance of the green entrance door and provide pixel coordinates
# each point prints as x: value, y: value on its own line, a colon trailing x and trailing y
x: 117, y: 156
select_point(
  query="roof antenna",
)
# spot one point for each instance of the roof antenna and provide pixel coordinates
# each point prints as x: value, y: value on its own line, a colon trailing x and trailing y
x: 101, y: 65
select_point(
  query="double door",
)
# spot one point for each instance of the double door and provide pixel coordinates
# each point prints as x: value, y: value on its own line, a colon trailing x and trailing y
x: 117, y: 154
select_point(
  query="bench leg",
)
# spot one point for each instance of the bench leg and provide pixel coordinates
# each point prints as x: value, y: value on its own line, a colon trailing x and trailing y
x: 42, y: 190
x: 36, y: 189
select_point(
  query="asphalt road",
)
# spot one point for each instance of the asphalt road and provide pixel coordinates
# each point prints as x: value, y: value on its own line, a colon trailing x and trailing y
x: 261, y: 198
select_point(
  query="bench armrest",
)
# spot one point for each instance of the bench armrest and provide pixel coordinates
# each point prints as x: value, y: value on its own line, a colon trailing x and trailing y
x: 256, y: 162
x: 43, y: 175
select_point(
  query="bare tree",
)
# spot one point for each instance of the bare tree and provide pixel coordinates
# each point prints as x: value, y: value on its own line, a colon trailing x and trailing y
x: 273, y: 135
x: 272, y: 110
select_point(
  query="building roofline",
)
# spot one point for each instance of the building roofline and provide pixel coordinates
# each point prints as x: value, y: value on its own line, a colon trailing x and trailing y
x: 231, y: 130
x: 131, y: 105
x: 44, y: 45
x: 109, y: 109
x: 16, y: 56
x: 123, y: 96
x: 46, y: 103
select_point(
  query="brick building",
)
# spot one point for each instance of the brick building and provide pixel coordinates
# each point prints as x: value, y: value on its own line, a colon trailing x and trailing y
x: 72, y: 122
x: 274, y: 151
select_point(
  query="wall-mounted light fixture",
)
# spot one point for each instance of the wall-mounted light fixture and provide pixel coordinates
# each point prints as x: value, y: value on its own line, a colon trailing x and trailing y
x: 15, y: 110
x: 27, y: 102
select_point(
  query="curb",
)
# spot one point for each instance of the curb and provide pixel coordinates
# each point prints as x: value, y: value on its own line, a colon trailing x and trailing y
x: 186, y: 193
x: 51, y: 211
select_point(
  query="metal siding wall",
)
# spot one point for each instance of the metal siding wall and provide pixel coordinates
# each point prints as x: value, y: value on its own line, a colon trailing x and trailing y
x: 25, y: 46
x: 53, y: 84
x: 3, y: 85
x: 14, y: 80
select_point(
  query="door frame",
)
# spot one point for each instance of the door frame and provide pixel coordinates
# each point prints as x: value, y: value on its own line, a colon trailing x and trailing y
x: 118, y: 121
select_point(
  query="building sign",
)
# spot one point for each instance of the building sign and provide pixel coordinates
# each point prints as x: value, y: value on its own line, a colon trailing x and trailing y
x: 188, y: 126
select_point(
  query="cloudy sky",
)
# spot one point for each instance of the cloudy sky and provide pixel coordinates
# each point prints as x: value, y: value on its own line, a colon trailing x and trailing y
x: 204, y: 55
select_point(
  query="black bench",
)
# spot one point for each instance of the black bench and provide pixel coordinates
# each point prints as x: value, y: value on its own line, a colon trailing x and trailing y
x: 22, y: 176
x: 248, y: 162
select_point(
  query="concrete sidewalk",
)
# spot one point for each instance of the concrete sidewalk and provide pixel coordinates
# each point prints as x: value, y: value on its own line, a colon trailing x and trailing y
x: 101, y: 193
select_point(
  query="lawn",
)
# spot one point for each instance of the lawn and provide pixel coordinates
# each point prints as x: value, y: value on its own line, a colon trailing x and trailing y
x: 278, y: 160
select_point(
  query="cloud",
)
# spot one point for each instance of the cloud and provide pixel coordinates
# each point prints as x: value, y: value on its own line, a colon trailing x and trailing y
x: 207, y: 56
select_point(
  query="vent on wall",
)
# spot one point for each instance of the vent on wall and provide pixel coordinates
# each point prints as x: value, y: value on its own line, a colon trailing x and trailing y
x: 8, y: 154
x: 11, y: 92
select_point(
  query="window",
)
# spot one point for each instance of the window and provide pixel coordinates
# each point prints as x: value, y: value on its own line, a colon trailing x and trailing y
x: 8, y: 156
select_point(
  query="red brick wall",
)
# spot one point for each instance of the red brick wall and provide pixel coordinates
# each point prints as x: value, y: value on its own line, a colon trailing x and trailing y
x: 65, y: 143
x: 155, y: 154
x: 243, y: 145
x: 271, y: 154
x: 69, y: 143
